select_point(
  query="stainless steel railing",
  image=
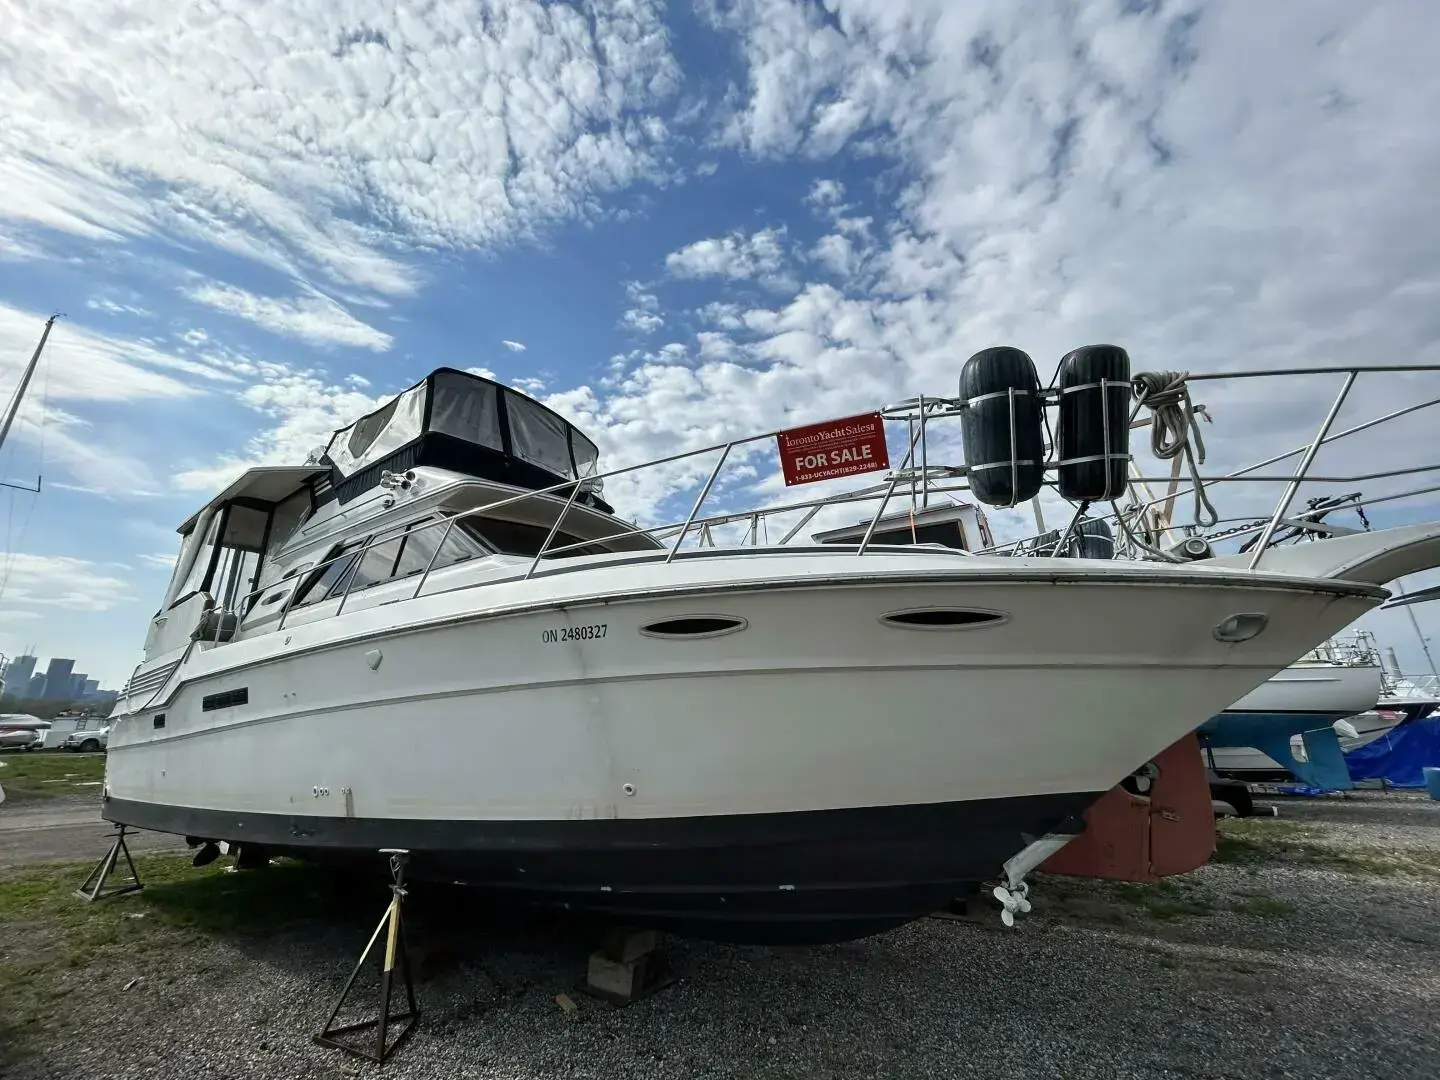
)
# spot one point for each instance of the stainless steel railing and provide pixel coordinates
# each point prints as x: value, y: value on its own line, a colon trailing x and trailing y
x: 923, y: 481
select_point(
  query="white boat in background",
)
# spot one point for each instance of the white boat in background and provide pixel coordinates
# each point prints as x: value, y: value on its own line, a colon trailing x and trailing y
x: 762, y: 743
x: 1261, y: 737
x: 1314, y: 689
x: 1413, y: 698
x: 1352, y: 732
x: 1367, y: 727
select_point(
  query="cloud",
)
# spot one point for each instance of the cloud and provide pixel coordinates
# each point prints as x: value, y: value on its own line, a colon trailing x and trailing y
x: 344, y: 146
x: 513, y: 346
x: 736, y: 256
x: 837, y: 254
x: 304, y: 410
x: 115, y: 308
x: 1138, y: 176
x: 92, y: 366
x: 825, y: 194
x: 643, y: 316
x: 312, y: 318
x: 55, y: 581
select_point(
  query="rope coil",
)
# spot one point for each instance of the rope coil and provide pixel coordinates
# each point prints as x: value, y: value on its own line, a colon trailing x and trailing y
x: 1173, y: 430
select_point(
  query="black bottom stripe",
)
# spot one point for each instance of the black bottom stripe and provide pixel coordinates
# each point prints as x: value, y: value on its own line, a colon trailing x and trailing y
x: 792, y: 878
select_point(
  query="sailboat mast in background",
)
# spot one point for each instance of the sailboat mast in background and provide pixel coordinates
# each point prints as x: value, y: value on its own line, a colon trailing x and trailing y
x: 14, y: 409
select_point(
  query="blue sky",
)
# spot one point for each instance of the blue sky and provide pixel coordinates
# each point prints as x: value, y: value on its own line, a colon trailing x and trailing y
x: 688, y: 222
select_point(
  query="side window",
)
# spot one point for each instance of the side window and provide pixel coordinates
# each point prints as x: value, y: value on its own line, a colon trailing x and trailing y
x: 324, y: 580
x: 421, y: 543
x: 377, y: 565
x: 520, y: 538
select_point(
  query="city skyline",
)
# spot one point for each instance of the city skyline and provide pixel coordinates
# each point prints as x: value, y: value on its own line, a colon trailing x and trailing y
x: 21, y: 677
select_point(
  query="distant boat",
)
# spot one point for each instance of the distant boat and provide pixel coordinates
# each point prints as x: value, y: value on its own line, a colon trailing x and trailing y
x: 1252, y: 740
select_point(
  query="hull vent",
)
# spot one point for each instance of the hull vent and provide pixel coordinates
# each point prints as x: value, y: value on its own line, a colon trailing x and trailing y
x: 226, y: 700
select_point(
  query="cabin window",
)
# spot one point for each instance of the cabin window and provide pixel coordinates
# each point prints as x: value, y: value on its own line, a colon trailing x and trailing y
x: 424, y: 537
x: 397, y: 557
x: 520, y: 538
x: 200, y: 568
x: 376, y: 565
x: 944, y: 533
x: 242, y: 544
x: 320, y: 585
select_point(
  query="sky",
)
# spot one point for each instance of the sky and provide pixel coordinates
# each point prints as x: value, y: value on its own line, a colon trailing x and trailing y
x: 679, y: 224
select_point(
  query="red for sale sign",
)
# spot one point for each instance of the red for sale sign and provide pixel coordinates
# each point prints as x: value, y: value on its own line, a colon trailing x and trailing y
x: 845, y: 447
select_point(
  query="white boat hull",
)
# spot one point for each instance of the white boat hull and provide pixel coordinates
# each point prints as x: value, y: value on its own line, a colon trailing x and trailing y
x: 816, y: 775
x: 1369, y: 726
x: 1313, y: 690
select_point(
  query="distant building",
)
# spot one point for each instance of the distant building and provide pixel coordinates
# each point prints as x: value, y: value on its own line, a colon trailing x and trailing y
x: 17, y: 675
x: 57, y: 678
x: 58, y: 682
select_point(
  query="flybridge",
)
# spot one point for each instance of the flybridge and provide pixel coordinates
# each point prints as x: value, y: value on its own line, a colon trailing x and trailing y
x: 454, y: 420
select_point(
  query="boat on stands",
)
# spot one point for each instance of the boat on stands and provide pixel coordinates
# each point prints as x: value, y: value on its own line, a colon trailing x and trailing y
x: 437, y: 635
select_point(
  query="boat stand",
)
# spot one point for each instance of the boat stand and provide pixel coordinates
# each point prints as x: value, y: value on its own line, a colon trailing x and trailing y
x: 93, y: 888
x: 395, y: 952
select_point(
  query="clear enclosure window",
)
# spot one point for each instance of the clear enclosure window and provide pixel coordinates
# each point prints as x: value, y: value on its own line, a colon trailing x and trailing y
x: 538, y: 436
x: 201, y: 566
x: 587, y: 455
x: 383, y: 432
x: 363, y: 434
x: 467, y: 409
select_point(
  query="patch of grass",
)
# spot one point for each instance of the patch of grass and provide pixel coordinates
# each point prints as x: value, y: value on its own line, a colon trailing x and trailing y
x: 1258, y: 840
x: 44, y: 775
x: 211, y: 900
x: 1165, y: 900
x: 47, y: 932
x: 1263, y: 907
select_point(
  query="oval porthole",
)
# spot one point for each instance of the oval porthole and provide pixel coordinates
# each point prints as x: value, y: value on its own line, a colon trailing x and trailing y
x: 694, y: 626
x: 942, y: 618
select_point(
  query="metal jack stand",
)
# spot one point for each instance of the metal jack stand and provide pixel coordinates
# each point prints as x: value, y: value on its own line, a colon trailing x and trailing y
x: 390, y: 923
x: 93, y: 888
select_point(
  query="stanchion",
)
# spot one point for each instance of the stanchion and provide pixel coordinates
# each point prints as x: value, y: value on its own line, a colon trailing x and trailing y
x: 395, y: 952
x: 93, y: 888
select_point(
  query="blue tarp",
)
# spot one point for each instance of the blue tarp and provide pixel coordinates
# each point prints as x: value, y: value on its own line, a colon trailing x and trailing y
x: 1270, y: 733
x: 1399, y: 756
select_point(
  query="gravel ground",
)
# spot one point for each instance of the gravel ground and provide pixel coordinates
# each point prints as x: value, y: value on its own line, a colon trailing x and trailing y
x: 1396, y: 819
x: 1245, y: 970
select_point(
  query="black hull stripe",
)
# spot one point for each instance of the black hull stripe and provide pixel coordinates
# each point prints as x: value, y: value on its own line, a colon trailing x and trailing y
x: 804, y: 877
